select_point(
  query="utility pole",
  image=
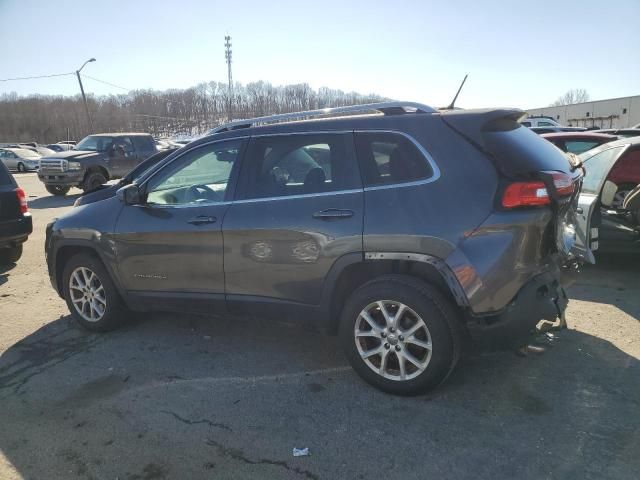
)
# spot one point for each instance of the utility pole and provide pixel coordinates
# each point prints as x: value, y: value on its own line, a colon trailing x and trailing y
x: 227, y: 56
x: 84, y: 97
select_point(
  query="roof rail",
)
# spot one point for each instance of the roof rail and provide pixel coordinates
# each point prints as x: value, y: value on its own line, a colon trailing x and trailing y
x: 385, y: 108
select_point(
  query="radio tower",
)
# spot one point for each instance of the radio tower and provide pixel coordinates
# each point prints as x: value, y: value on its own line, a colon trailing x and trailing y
x: 227, y: 56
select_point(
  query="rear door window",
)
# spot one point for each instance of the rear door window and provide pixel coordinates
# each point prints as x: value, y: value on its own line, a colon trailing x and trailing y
x: 301, y: 164
x: 388, y: 158
x: 597, y: 169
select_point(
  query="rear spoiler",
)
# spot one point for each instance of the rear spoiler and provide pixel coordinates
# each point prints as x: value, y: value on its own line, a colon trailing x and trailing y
x: 471, y: 124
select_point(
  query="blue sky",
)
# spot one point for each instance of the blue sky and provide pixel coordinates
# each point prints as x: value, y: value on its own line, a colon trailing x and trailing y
x: 521, y: 54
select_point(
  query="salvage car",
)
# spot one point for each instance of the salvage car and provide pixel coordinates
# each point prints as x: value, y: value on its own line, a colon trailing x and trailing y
x: 344, y: 220
x: 15, y: 220
x: 619, y: 229
x: 578, y: 142
x: 94, y: 161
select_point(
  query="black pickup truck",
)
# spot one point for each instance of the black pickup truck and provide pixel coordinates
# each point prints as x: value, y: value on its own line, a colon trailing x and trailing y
x: 94, y: 161
x: 15, y: 220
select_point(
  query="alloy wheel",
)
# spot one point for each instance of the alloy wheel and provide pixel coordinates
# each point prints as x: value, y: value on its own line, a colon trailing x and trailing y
x: 393, y: 340
x: 87, y: 294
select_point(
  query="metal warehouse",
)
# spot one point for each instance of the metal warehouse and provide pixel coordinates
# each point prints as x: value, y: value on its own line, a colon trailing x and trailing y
x: 623, y: 112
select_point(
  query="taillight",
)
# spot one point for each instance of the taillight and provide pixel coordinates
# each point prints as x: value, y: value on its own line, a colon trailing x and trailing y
x: 22, y: 200
x: 533, y: 194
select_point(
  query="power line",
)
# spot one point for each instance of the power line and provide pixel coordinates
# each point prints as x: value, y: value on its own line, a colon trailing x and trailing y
x: 107, y: 83
x: 36, y: 76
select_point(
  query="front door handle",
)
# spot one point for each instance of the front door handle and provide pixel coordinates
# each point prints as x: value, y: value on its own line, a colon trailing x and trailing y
x: 202, y: 220
x: 331, y: 213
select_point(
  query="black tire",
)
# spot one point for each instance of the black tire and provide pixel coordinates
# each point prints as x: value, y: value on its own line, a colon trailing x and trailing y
x: 21, y: 167
x: 115, y: 312
x: 10, y: 255
x: 438, y: 314
x: 93, y: 180
x: 57, y: 190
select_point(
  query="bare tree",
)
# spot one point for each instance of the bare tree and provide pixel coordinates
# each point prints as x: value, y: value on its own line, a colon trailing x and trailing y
x: 192, y: 111
x: 575, y: 95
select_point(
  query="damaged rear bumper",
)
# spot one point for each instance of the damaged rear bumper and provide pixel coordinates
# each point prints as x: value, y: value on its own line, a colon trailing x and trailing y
x: 542, y: 298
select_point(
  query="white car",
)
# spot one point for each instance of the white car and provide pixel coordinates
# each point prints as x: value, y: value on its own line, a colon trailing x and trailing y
x: 539, y: 121
x: 20, y: 159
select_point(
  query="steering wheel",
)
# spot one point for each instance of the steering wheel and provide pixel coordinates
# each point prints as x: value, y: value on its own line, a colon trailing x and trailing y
x: 198, y: 193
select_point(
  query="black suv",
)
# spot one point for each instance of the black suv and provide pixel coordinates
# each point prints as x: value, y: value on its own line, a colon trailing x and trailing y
x: 15, y: 220
x: 95, y: 160
x: 408, y: 230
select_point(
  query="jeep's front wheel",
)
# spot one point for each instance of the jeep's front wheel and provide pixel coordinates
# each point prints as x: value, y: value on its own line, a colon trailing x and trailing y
x: 57, y: 190
x: 399, y: 334
x: 90, y: 294
x: 93, y: 181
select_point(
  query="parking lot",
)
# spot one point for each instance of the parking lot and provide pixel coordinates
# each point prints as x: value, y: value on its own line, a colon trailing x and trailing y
x: 176, y: 396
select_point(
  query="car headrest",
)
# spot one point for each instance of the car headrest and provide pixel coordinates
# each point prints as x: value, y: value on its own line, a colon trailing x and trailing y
x: 314, y: 180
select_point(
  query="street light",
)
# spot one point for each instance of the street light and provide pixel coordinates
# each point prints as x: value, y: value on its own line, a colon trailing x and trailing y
x: 84, y: 97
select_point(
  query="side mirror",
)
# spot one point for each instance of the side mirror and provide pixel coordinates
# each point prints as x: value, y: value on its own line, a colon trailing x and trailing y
x: 129, y: 194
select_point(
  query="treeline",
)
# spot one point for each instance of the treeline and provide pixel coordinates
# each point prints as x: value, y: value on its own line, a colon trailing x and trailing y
x: 192, y: 111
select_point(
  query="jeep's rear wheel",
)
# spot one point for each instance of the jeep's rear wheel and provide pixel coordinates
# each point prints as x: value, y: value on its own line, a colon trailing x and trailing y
x: 399, y: 334
x: 93, y: 181
x: 90, y: 294
x: 57, y: 189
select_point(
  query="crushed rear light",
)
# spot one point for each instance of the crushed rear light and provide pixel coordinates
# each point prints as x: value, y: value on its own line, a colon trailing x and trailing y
x: 22, y: 200
x: 534, y: 194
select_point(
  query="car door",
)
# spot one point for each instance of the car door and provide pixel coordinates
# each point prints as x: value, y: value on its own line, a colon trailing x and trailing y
x: 170, y: 246
x: 299, y: 208
x: 597, y: 164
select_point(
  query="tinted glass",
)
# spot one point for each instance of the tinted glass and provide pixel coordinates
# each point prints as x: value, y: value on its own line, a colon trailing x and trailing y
x: 579, y: 146
x: 288, y: 165
x: 5, y: 176
x: 545, y: 124
x: 95, y: 143
x: 597, y: 168
x: 198, y: 177
x: 388, y: 158
x: 526, y: 124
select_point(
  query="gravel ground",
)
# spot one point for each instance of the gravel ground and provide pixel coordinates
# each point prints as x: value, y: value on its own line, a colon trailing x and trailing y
x: 177, y: 396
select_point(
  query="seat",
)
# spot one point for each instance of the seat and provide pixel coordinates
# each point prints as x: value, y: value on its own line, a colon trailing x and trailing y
x: 314, y: 180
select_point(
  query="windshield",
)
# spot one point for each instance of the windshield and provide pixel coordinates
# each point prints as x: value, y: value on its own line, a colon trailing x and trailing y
x: 95, y: 143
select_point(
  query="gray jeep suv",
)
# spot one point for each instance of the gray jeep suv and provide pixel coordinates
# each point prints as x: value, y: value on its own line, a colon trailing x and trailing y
x: 412, y: 232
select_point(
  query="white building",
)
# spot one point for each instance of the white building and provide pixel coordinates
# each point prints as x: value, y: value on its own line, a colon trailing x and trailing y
x: 620, y: 112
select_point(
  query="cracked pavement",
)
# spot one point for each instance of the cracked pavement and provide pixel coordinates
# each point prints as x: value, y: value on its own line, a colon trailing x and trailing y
x: 175, y: 396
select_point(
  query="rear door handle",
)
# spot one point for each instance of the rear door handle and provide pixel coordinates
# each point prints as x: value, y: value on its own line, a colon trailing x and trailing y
x: 202, y: 220
x: 330, y: 213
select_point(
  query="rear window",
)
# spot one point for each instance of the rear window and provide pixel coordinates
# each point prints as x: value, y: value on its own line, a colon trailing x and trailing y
x: 5, y: 176
x: 579, y: 146
x: 390, y: 158
x: 519, y: 151
x: 144, y: 143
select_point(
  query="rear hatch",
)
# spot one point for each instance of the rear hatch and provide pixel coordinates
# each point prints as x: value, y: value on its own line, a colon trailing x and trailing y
x: 533, y: 173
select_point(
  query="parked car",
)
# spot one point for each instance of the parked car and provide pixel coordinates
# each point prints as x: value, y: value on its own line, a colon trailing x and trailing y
x: 109, y: 190
x: 618, y: 201
x: 67, y: 142
x: 539, y: 121
x: 368, y: 241
x: 42, y: 151
x: 94, y: 161
x: 621, y: 132
x: 578, y: 142
x: 20, y: 159
x: 542, y: 130
x: 15, y: 219
x: 57, y: 147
